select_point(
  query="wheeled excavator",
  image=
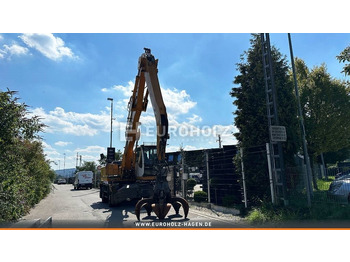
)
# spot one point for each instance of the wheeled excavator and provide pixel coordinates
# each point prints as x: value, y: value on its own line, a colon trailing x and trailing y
x: 142, y: 172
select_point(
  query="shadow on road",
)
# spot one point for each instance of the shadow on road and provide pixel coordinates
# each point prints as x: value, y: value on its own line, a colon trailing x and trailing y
x: 123, y: 215
x: 89, y: 193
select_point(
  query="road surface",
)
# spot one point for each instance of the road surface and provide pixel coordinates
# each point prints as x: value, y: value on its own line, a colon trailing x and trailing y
x: 71, y: 208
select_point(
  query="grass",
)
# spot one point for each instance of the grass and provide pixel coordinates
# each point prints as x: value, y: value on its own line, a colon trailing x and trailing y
x: 323, y: 184
x: 321, y: 208
x: 318, y: 211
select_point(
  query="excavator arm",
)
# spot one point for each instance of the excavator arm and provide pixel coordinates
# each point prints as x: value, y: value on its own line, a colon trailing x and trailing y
x: 146, y: 84
x: 123, y: 184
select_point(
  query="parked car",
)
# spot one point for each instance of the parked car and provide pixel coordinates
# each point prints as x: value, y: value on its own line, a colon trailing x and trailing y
x: 339, y: 189
x: 341, y: 174
x: 61, y: 181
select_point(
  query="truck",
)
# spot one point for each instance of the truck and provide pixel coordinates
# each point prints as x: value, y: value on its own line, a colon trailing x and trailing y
x: 83, y: 179
x: 142, y: 172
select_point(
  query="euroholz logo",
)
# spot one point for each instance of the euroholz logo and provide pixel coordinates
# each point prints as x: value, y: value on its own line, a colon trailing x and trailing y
x: 179, y: 131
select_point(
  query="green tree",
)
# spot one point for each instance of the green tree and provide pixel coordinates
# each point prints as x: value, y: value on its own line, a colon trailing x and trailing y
x: 343, y: 57
x: 103, y: 157
x: 25, y: 174
x: 88, y: 166
x: 251, y: 117
x: 326, y: 108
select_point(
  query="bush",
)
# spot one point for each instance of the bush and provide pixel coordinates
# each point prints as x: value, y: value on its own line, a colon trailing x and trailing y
x: 200, y: 196
x: 25, y: 175
x: 191, y: 183
x: 230, y: 201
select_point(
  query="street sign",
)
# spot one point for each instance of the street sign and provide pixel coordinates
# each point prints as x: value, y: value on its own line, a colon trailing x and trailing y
x: 278, y: 133
x: 110, y: 154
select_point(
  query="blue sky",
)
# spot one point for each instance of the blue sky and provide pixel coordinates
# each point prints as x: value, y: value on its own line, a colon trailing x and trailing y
x: 66, y: 79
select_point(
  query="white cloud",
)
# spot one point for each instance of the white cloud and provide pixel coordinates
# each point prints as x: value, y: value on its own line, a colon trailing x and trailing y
x: 176, y: 101
x: 50, y: 46
x: 194, y: 119
x: 126, y: 90
x: 91, y: 149
x: 13, y: 50
x: 62, y: 143
x: 79, y: 124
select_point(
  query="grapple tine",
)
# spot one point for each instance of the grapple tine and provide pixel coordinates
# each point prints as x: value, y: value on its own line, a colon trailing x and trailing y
x: 176, y: 205
x: 141, y: 203
x: 183, y: 202
x: 161, y: 210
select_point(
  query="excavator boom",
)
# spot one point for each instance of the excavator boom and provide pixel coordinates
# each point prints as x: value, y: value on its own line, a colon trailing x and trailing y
x: 146, y: 84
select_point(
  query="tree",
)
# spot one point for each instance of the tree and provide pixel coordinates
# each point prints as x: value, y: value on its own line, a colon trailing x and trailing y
x: 251, y: 116
x: 343, y: 57
x: 326, y: 109
x: 103, y: 157
x: 25, y: 174
x: 88, y: 166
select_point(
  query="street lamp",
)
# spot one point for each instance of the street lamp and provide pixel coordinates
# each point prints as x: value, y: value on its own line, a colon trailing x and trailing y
x: 111, y: 99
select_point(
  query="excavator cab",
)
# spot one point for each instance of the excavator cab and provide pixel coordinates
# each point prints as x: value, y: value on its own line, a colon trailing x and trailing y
x: 146, y: 158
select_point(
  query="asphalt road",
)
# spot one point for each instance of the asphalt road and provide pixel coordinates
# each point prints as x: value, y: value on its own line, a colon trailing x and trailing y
x: 71, y: 208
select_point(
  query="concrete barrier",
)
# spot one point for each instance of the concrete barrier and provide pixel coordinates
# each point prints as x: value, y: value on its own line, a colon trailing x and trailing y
x: 216, y: 208
x: 47, y: 223
x: 33, y: 223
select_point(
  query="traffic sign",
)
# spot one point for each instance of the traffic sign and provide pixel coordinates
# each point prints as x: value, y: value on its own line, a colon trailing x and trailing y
x: 278, y: 133
x: 110, y: 154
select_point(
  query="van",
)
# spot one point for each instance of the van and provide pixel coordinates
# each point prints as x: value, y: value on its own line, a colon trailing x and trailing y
x: 83, y: 179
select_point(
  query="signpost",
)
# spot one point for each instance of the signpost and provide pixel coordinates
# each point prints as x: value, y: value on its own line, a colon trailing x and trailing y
x: 110, y: 154
x: 278, y: 133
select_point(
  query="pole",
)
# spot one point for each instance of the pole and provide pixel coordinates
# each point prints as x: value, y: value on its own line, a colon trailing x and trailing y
x: 272, y: 188
x: 302, y: 127
x: 219, y: 140
x: 243, y: 177
x: 111, y: 99
x: 64, y: 164
x: 324, y: 167
x: 208, y: 179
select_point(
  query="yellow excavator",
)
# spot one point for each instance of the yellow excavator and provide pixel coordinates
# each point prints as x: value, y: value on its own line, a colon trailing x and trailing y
x: 142, y: 172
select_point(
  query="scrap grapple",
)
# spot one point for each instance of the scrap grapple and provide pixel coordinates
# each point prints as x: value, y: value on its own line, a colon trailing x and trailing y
x: 162, y: 199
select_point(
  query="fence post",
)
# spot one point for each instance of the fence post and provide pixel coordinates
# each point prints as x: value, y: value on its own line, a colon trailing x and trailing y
x: 243, y: 178
x: 208, y: 179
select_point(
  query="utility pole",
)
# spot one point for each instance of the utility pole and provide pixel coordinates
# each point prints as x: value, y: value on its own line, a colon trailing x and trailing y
x: 111, y: 99
x: 76, y: 164
x: 184, y: 193
x: 219, y: 140
x: 272, y: 186
x: 302, y: 127
x: 276, y: 150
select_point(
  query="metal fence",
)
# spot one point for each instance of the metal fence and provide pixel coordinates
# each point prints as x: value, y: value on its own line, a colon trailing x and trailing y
x: 223, y: 181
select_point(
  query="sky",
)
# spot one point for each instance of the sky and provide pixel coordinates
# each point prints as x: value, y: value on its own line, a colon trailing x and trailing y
x: 66, y: 79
